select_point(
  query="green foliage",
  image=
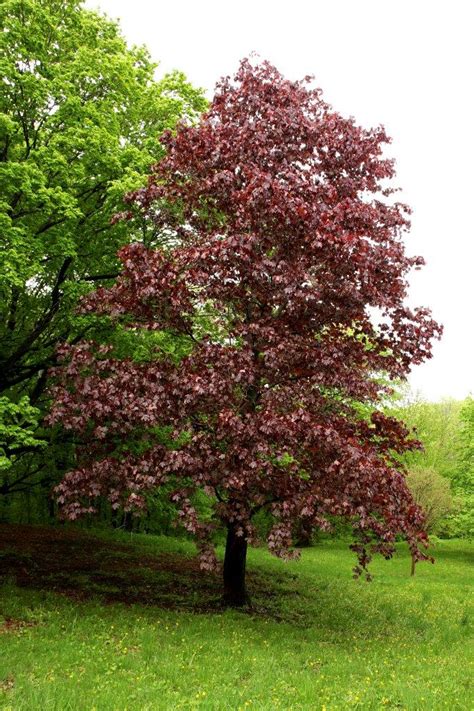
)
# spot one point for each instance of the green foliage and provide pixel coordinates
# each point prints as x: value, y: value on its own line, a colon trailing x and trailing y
x: 461, y: 523
x: 464, y: 476
x: 437, y: 426
x: 432, y: 493
x: 320, y: 641
x: 446, y: 431
x: 18, y: 423
x: 81, y: 114
x: 143, y: 346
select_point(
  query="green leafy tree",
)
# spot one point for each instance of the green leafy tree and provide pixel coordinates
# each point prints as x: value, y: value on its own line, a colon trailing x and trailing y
x: 80, y: 117
x: 18, y: 424
x: 446, y: 430
x: 437, y: 426
x: 464, y: 478
x: 432, y: 493
x: 462, y: 522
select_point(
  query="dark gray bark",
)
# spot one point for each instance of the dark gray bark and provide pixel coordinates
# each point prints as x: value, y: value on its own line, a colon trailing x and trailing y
x: 235, y: 593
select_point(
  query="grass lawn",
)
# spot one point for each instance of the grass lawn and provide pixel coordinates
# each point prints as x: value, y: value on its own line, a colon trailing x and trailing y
x: 110, y: 623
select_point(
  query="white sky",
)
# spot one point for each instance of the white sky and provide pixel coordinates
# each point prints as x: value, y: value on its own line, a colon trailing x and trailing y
x: 407, y: 64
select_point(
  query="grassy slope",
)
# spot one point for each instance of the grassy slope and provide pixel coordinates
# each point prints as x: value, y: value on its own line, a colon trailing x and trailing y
x: 316, y: 640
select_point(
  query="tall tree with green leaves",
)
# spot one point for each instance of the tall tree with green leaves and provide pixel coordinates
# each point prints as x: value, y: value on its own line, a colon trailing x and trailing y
x: 437, y: 426
x: 465, y: 473
x: 463, y: 483
x: 446, y: 430
x: 80, y: 116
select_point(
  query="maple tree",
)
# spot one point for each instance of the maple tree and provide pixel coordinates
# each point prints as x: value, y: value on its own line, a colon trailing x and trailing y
x: 284, y: 280
x: 80, y: 116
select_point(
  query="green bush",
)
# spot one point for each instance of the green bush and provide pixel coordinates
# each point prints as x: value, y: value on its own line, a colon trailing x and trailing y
x: 432, y: 493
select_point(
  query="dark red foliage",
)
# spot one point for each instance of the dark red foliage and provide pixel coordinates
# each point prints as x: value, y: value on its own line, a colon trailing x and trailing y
x: 281, y: 221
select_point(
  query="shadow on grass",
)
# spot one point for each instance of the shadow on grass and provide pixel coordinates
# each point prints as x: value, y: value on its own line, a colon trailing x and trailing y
x: 74, y: 563
x: 81, y: 566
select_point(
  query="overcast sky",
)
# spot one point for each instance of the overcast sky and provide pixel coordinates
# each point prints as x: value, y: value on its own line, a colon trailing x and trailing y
x: 406, y: 64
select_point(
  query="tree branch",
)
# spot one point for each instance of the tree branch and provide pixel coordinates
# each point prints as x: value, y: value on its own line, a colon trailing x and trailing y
x: 100, y: 277
x: 43, y: 322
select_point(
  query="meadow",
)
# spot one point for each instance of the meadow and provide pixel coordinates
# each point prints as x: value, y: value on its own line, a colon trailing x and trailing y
x: 113, y: 622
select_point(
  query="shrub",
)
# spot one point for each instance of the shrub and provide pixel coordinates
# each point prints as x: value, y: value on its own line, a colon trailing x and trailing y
x: 432, y: 493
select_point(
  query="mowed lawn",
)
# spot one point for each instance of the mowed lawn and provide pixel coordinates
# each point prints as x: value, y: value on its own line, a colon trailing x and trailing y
x: 114, y: 623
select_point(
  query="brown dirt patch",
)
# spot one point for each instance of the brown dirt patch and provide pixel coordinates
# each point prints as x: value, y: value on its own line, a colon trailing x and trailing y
x: 13, y: 626
x: 7, y: 684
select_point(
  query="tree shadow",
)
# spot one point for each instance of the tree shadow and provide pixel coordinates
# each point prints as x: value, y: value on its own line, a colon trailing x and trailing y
x: 74, y: 563
x: 81, y: 566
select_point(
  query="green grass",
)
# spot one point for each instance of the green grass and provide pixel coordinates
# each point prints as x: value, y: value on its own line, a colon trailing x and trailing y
x: 316, y: 639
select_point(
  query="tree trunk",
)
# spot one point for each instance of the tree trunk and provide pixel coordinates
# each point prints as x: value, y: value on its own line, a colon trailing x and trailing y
x: 413, y: 564
x: 51, y: 507
x: 235, y: 594
x: 127, y: 521
x: 303, y: 534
